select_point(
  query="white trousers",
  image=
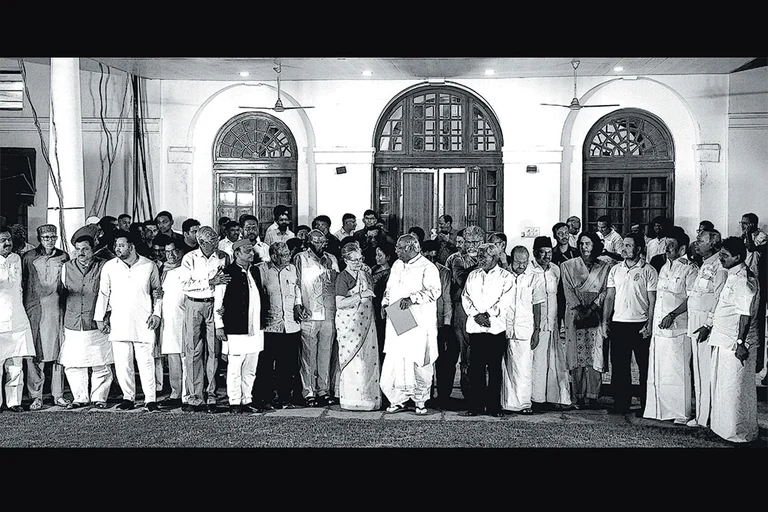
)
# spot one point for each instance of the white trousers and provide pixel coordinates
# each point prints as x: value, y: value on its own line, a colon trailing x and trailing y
x: 12, y: 378
x: 159, y: 373
x: 176, y: 375
x: 702, y: 363
x: 101, y: 380
x: 241, y: 372
x: 402, y: 379
x: 124, y: 352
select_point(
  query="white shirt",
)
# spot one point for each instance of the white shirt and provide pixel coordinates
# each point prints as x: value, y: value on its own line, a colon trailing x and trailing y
x: 127, y: 292
x: 654, y: 247
x: 15, y: 333
x: 488, y: 292
x: 529, y: 290
x: 225, y: 245
x: 703, y: 294
x: 671, y: 290
x: 276, y: 235
x: 172, y: 327
x: 735, y: 300
x: 551, y: 279
x: 612, y: 243
x: 341, y: 234
x: 632, y: 286
x: 199, y: 271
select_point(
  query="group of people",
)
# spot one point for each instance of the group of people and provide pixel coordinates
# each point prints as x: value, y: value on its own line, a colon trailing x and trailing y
x: 369, y: 321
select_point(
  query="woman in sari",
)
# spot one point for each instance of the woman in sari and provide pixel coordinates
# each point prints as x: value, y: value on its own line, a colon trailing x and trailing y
x: 584, y: 284
x: 356, y: 334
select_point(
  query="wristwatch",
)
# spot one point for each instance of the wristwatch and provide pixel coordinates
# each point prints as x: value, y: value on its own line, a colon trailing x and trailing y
x: 742, y: 342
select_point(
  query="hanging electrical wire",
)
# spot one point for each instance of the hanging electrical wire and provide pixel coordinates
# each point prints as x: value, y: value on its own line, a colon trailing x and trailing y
x: 55, y: 181
x: 140, y: 177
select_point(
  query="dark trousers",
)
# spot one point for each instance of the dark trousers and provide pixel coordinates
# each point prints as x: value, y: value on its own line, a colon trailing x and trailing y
x: 625, y: 339
x: 487, y: 353
x: 760, y: 319
x: 445, y: 366
x: 278, y: 368
x: 460, y: 328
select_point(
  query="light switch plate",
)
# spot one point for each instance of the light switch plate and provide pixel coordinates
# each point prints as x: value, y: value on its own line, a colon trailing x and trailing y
x: 531, y: 232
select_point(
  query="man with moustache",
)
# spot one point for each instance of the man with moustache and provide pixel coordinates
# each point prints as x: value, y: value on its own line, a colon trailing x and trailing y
x: 16, y: 341
x: 85, y: 348
x: 702, y: 297
x: 127, y: 289
x: 574, y: 228
x: 41, y: 274
x: 250, y: 226
x: 282, y: 233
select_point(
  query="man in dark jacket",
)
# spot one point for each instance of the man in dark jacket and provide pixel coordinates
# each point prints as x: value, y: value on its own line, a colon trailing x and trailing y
x: 239, y: 308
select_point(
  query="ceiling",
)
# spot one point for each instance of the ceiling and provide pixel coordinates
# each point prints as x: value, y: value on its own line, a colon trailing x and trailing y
x: 399, y: 68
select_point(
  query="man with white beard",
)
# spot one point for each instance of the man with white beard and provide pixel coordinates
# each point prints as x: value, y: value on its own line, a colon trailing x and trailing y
x: 127, y: 287
x: 15, y: 333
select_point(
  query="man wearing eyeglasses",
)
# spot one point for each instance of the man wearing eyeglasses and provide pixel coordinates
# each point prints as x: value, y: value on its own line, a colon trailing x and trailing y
x: 41, y: 276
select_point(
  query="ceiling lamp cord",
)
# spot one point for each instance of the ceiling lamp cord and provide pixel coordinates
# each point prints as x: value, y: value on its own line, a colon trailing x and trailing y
x: 140, y: 158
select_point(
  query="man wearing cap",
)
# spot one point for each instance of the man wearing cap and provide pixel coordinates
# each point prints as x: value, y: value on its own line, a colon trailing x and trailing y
x: 239, y: 312
x: 203, y: 269
x: 316, y: 272
x: 41, y: 274
x: 550, y: 370
x: 16, y: 340
x: 125, y: 311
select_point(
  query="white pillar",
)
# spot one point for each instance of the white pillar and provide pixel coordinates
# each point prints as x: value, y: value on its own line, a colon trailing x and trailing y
x: 65, y: 149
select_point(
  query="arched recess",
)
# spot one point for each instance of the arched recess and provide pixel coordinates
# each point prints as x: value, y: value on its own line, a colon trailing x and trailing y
x: 254, y: 167
x: 628, y: 169
x: 438, y: 151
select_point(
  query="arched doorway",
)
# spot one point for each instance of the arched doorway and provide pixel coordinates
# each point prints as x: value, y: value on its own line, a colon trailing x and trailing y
x: 629, y: 170
x: 255, y: 167
x: 438, y: 151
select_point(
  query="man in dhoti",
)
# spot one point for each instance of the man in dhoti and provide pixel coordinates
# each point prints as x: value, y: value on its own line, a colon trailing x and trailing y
x: 15, y: 333
x: 85, y: 349
x: 172, y: 326
x: 414, y: 284
x: 734, y: 341
x: 551, y: 384
x: 668, y: 395
x: 523, y: 333
x: 702, y: 296
x: 41, y: 276
x: 240, y: 324
x: 127, y: 289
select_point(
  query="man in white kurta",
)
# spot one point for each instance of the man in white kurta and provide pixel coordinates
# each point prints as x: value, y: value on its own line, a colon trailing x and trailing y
x: 414, y: 283
x: 550, y: 372
x: 668, y: 395
x: 242, y: 349
x: 702, y: 296
x: 733, y: 338
x: 85, y: 348
x: 523, y: 331
x: 172, y: 326
x: 126, y: 290
x: 15, y: 333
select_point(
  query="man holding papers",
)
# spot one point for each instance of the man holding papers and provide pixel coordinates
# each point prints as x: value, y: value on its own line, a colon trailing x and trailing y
x: 414, y: 285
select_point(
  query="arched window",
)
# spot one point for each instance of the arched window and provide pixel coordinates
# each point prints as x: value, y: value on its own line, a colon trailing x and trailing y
x: 255, y: 167
x: 438, y: 146
x: 629, y: 166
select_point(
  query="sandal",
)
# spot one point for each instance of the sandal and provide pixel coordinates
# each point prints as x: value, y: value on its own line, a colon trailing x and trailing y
x: 395, y: 408
x: 527, y: 411
x: 420, y: 409
x: 62, y: 402
x: 310, y: 401
x: 101, y: 405
x: 76, y: 405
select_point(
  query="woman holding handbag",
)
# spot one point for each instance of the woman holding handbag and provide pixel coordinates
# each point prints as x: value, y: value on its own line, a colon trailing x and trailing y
x: 584, y: 283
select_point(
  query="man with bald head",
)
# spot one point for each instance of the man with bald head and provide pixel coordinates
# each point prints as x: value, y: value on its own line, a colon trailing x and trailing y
x: 523, y: 330
x: 414, y: 283
x: 204, y: 270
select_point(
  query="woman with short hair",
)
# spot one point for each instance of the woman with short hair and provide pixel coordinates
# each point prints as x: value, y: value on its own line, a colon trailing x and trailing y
x: 356, y: 335
x: 585, y: 282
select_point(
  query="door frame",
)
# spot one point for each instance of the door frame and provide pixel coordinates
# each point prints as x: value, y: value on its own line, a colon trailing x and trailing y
x: 438, y: 185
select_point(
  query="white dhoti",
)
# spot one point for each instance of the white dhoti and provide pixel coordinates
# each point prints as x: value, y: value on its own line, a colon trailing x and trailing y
x: 734, y: 396
x: 81, y: 351
x: 402, y: 379
x: 517, y: 375
x: 549, y: 371
x: 669, y: 378
x: 701, y: 354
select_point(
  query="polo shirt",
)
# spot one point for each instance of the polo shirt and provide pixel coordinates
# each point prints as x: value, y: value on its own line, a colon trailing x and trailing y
x: 632, y: 284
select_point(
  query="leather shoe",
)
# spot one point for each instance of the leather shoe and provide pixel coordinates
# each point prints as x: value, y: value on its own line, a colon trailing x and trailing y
x: 248, y: 409
x: 126, y: 405
x: 469, y: 413
x: 170, y: 403
x: 211, y: 408
x: 151, y: 407
x: 496, y: 414
x: 16, y: 408
x: 235, y: 409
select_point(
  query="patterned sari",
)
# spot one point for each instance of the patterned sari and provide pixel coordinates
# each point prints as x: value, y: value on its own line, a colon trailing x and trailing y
x: 358, y: 347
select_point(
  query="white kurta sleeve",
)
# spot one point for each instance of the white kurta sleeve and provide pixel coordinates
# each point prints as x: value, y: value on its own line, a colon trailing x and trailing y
x: 430, y: 286
x: 218, y: 305
x: 155, y: 284
x: 105, y: 289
